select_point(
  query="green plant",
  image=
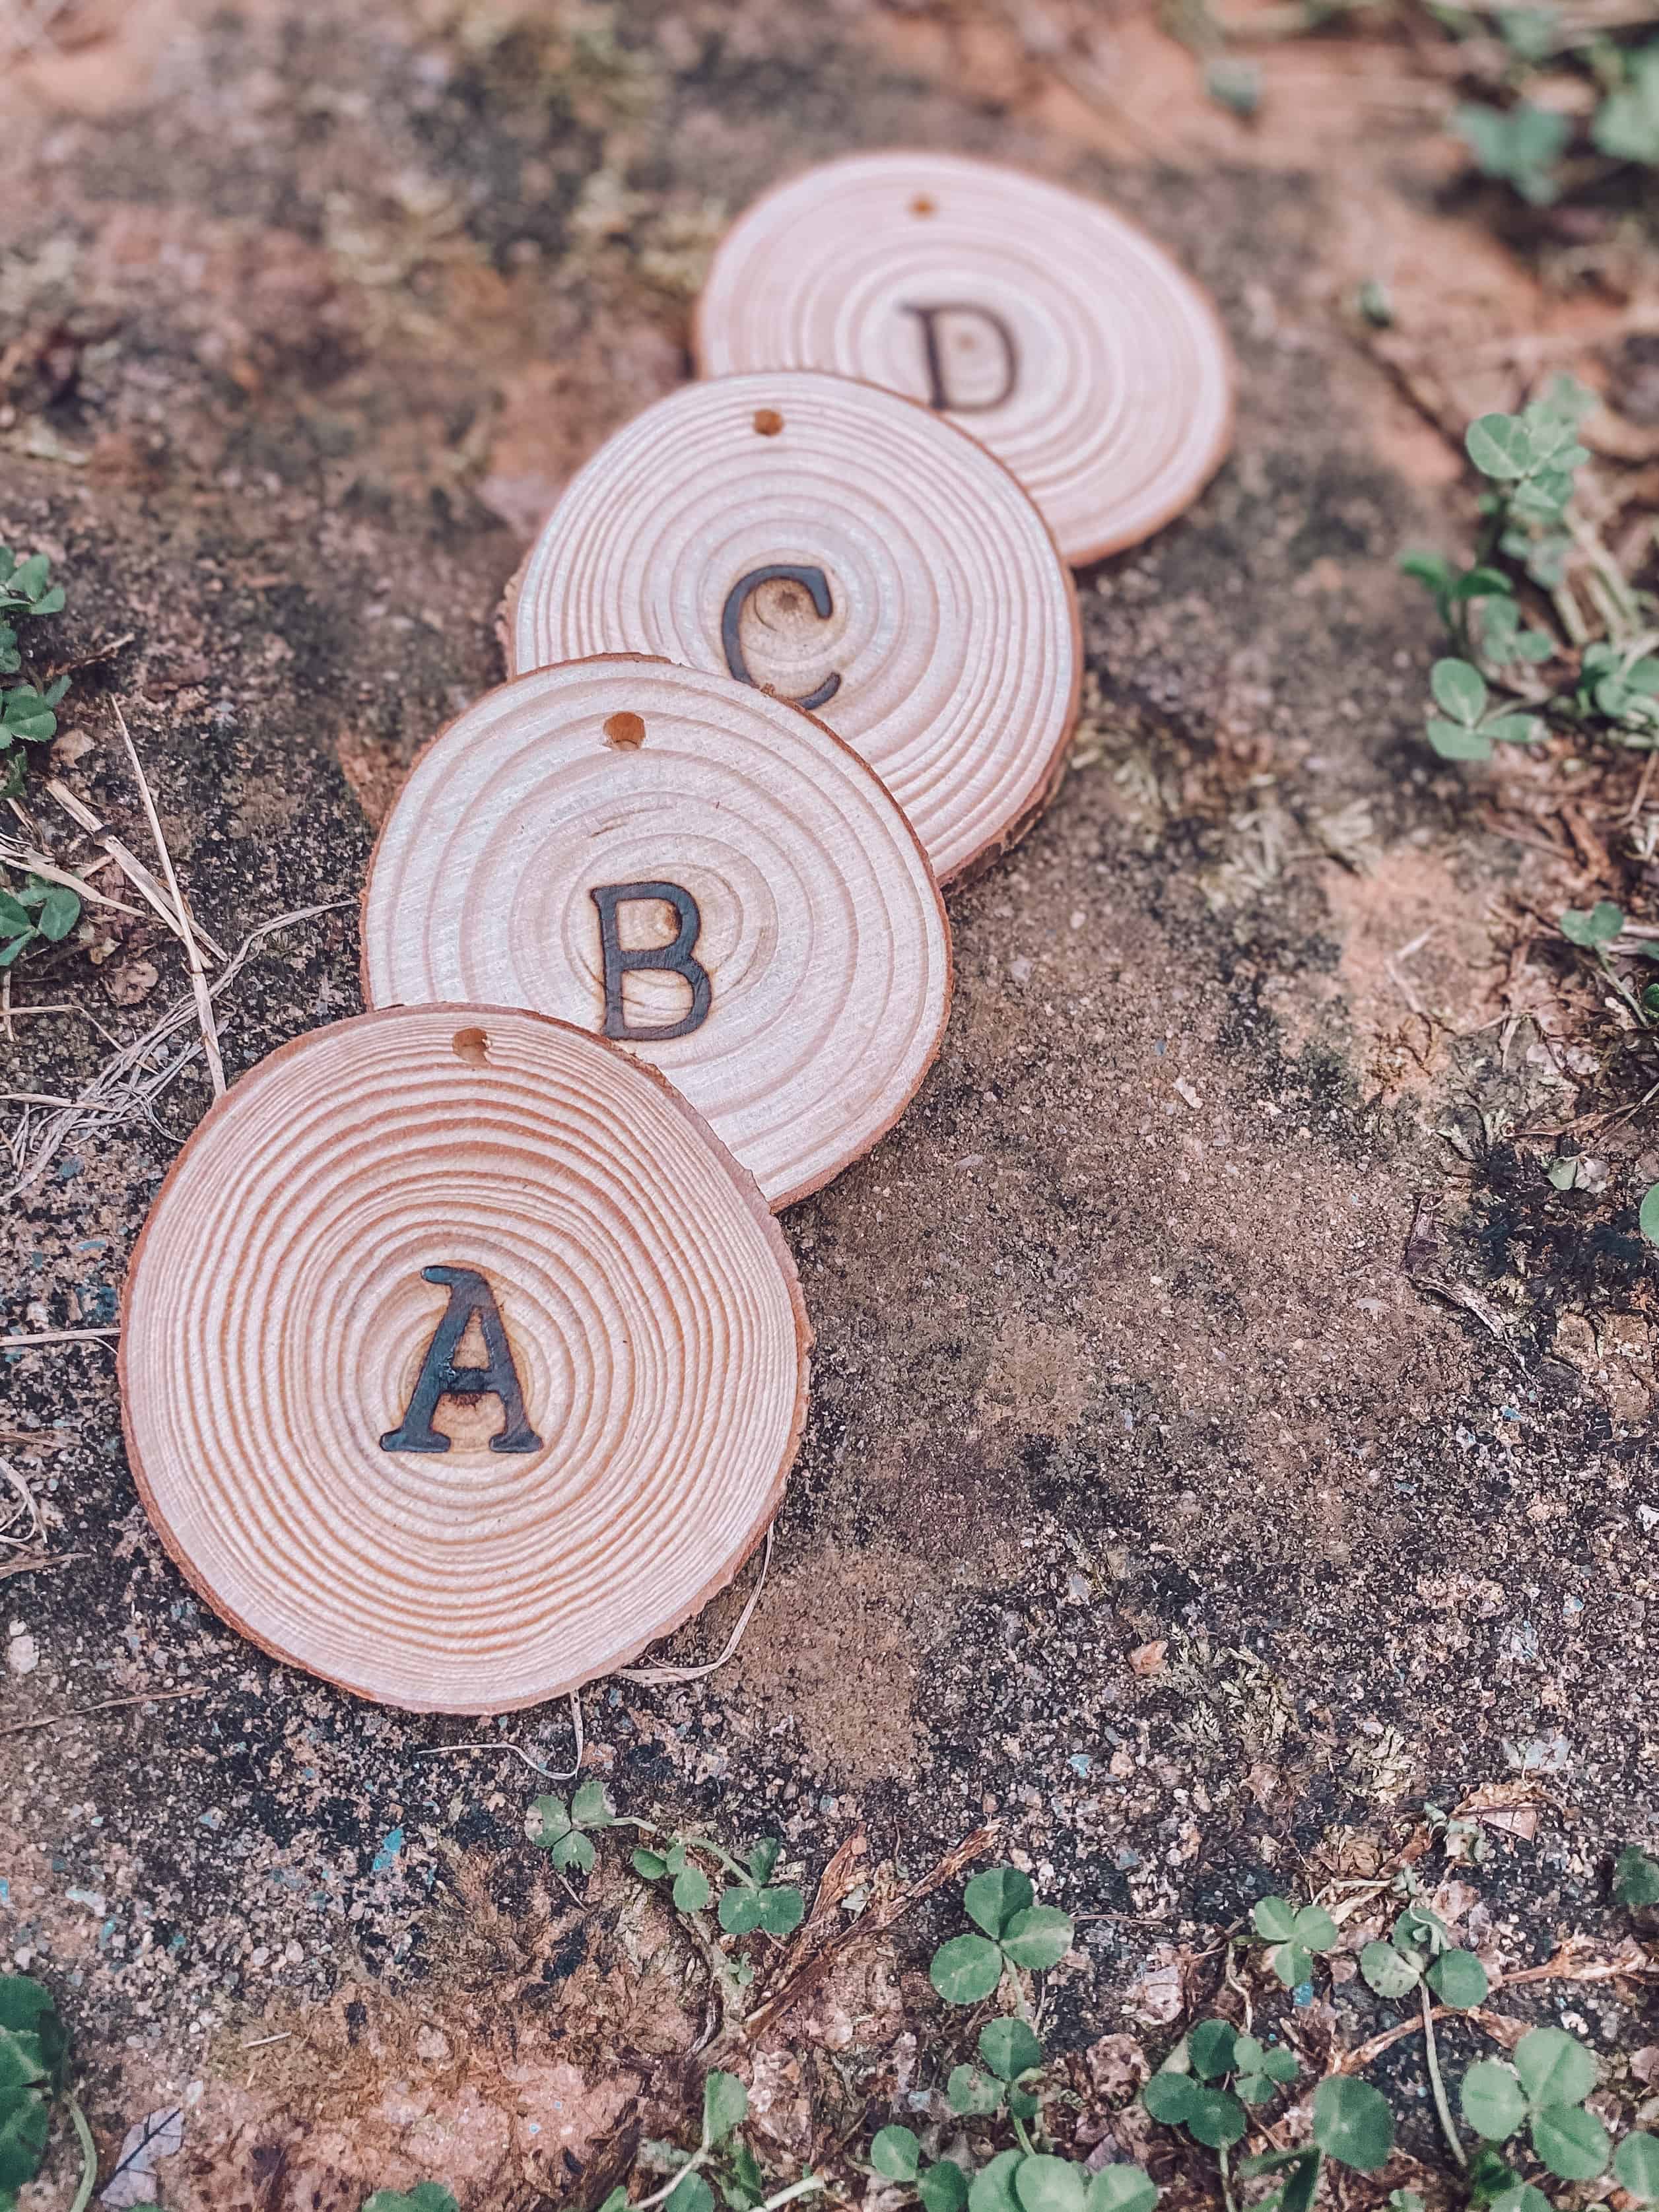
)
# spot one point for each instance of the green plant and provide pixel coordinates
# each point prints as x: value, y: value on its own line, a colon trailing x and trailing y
x: 39, y: 914
x: 1544, y: 2091
x: 1183, y: 2092
x: 1009, y: 2086
x: 1635, y: 1872
x: 1636, y: 2166
x: 1519, y: 145
x: 751, y: 1903
x: 1626, y: 124
x: 1017, y: 1932
x: 1513, y: 609
x: 1352, y: 2125
x: 1295, y: 1938
x: 33, y: 2074
x: 26, y: 710
x: 425, y: 2197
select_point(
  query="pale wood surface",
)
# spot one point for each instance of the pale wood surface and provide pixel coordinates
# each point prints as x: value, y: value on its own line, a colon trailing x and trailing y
x: 276, y: 1318
x: 949, y: 655
x: 822, y: 933
x: 1119, y: 406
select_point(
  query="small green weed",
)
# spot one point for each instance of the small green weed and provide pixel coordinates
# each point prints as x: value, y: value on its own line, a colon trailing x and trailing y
x: 27, y: 711
x: 33, y: 2077
x: 425, y: 2197
x: 1512, y: 612
x: 1003, y: 2148
x: 41, y: 913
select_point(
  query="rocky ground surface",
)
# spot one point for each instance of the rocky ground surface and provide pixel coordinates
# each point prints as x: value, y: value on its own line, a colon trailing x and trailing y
x: 1225, y: 1436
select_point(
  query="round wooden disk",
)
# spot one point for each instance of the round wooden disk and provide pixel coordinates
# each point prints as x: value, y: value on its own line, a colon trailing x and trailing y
x: 850, y: 551
x: 280, y: 1314
x: 665, y: 805
x: 1054, y: 329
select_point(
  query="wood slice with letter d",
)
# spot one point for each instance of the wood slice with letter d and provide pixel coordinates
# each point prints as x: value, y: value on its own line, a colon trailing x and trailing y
x: 846, y: 549
x: 700, y: 872
x: 459, y: 1359
x: 1057, y: 332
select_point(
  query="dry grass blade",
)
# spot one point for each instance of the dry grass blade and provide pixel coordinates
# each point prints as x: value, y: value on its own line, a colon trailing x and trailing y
x: 131, y: 866
x: 192, y: 951
x: 653, y: 1677
x: 550, y: 1773
x: 39, y: 1564
x: 125, y: 1085
x: 104, y: 1705
x: 29, y: 1338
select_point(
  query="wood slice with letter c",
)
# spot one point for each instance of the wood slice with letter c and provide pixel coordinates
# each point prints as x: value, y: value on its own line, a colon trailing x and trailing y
x: 459, y: 1359
x: 851, y: 551
x: 1054, y: 329
x: 700, y: 872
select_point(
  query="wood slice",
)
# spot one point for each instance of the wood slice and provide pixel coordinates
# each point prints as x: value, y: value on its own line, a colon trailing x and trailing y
x: 629, y: 1386
x: 703, y: 873
x: 1055, y: 330
x: 849, y: 550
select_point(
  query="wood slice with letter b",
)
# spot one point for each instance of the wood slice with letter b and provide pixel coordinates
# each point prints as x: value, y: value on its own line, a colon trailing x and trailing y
x: 459, y: 1359
x: 700, y: 872
x: 848, y: 550
x: 1053, y: 329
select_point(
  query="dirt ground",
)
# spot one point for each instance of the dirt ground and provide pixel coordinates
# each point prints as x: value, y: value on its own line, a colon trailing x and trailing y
x: 1210, y: 1305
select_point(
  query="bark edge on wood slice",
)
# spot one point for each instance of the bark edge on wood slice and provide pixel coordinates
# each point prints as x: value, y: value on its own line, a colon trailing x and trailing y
x: 852, y: 551
x: 703, y: 873
x: 1056, y: 329
x: 458, y: 1360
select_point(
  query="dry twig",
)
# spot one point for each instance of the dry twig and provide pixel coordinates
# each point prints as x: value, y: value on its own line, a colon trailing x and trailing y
x: 105, y: 1705
x: 192, y: 951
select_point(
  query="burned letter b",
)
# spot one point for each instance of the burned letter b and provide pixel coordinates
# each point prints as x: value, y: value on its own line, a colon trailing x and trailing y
x: 675, y: 958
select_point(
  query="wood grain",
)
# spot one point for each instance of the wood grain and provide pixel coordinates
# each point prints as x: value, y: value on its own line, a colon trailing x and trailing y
x: 819, y: 927
x: 276, y: 1317
x: 851, y: 550
x: 1057, y: 332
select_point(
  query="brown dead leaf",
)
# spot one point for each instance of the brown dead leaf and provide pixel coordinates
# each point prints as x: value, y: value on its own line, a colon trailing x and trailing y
x: 132, y: 980
x: 1512, y: 1807
x: 1148, y: 1658
x: 1117, y: 2066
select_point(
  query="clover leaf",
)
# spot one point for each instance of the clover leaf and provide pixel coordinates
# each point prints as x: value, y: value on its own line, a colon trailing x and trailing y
x: 1017, y: 1932
x: 1636, y: 1873
x: 1353, y: 2123
x: 1295, y: 1937
x: 1600, y: 926
x: 1544, y: 2088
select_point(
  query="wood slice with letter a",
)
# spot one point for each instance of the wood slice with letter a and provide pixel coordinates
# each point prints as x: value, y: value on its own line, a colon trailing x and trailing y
x: 684, y: 864
x: 459, y: 1359
x: 852, y: 552
x: 1053, y: 329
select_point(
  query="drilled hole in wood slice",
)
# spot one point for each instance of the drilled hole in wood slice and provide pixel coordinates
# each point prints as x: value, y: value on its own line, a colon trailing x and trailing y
x: 625, y: 730
x: 458, y: 1385
x: 470, y: 1045
x: 883, y: 571
x: 1049, y: 325
x: 768, y: 421
x: 740, y: 902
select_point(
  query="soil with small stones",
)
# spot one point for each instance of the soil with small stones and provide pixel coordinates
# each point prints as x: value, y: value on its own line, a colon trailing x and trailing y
x: 1210, y: 1305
